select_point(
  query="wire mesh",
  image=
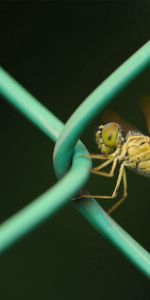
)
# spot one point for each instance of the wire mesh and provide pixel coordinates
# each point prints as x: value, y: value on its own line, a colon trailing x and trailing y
x: 68, y: 162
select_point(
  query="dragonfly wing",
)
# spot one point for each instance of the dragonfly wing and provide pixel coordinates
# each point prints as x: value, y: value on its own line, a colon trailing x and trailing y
x: 145, y: 105
x: 112, y: 116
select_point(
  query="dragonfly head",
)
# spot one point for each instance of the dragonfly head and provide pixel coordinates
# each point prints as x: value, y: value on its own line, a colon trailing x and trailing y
x: 109, y: 137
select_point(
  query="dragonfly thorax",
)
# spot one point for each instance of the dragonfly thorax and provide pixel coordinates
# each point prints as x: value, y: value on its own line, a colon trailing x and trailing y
x: 135, y: 152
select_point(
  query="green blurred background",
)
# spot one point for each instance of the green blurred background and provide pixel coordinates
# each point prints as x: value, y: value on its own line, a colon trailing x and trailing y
x: 60, y: 52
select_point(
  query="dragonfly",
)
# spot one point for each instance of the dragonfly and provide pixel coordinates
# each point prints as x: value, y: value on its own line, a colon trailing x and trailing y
x: 130, y: 151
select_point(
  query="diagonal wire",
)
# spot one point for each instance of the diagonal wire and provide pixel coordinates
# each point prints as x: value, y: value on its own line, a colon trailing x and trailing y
x: 47, y: 204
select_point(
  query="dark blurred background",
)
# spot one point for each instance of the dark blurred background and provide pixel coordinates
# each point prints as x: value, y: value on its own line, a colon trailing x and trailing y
x: 60, y: 52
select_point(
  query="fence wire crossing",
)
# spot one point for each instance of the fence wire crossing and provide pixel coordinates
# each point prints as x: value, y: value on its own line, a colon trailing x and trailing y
x: 68, y: 161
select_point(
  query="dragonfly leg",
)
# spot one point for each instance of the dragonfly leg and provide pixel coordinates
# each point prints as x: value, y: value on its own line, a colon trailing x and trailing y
x: 119, y: 202
x: 98, y: 156
x: 97, y: 169
x: 115, y: 192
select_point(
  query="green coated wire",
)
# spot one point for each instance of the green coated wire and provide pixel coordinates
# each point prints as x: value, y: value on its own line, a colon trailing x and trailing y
x: 9, y: 231
x: 47, y: 204
x: 28, y: 105
x: 105, y: 225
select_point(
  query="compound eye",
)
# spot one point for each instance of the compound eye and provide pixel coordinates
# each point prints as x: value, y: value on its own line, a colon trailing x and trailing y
x: 110, y: 134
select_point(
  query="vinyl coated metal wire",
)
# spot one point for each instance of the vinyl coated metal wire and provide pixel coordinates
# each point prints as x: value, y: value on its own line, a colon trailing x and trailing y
x: 47, y: 204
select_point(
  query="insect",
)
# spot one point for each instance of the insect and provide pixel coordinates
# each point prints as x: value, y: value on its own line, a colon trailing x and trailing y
x: 131, y: 151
